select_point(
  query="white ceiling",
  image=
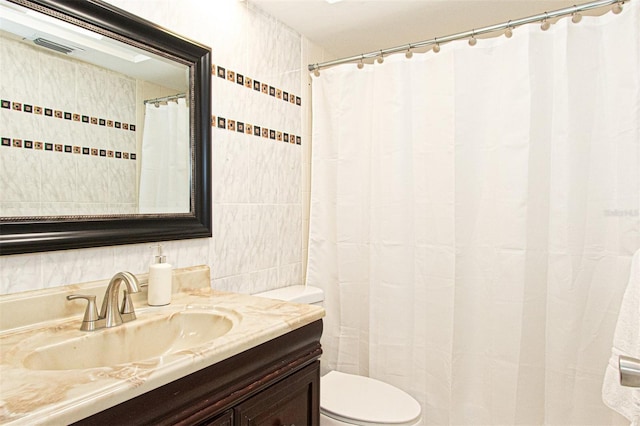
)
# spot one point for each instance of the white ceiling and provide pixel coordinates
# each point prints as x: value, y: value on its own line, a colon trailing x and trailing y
x: 352, y: 27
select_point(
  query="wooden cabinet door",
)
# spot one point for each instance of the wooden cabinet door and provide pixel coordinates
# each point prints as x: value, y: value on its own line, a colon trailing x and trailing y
x: 292, y: 401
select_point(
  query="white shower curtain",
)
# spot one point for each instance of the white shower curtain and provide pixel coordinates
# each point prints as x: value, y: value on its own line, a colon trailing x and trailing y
x: 165, y: 164
x: 473, y: 216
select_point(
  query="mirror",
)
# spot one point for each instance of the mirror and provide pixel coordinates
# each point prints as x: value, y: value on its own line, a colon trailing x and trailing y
x: 85, y: 159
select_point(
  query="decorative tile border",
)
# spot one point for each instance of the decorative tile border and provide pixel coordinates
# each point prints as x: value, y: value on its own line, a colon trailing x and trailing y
x: 67, y: 149
x: 256, y: 85
x: 255, y: 130
x: 49, y: 112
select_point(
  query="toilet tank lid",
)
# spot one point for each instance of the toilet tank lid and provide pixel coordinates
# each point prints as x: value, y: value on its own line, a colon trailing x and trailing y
x: 295, y: 293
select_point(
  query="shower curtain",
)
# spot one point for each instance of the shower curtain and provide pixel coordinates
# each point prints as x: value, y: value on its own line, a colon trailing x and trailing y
x: 473, y: 216
x: 165, y: 167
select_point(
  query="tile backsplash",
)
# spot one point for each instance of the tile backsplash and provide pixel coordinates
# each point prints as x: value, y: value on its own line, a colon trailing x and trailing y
x: 260, y: 191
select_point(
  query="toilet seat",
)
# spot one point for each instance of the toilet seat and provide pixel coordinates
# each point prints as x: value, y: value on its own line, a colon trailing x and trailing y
x: 364, y: 401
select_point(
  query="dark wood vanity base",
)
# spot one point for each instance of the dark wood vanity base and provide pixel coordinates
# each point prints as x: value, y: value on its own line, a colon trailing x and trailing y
x: 276, y: 383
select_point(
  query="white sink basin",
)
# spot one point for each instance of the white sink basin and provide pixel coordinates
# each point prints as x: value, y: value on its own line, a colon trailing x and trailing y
x: 133, y: 342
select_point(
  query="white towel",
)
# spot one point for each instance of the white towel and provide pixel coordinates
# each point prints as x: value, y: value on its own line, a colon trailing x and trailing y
x: 626, y: 341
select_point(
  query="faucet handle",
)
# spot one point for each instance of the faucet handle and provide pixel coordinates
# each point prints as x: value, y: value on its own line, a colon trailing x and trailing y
x: 126, y: 309
x: 90, y: 314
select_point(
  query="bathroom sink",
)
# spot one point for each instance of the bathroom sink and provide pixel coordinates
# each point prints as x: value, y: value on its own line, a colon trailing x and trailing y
x: 133, y: 342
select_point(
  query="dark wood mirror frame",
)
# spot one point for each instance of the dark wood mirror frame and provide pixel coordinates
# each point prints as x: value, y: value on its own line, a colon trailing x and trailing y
x: 30, y: 235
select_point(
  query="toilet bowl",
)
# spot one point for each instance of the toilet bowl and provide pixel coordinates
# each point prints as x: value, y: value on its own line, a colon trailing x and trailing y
x: 348, y: 399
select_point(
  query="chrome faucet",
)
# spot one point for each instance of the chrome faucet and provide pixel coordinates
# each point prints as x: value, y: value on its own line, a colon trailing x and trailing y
x: 110, y: 315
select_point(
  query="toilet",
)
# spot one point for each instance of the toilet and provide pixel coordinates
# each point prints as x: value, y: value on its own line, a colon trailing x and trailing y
x: 348, y: 399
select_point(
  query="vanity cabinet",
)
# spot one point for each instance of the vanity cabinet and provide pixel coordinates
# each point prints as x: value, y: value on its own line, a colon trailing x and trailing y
x: 273, y: 384
x: 289, y: 402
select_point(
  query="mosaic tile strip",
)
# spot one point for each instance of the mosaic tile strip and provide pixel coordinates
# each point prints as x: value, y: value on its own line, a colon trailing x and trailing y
x: 256, y: 85
x: 255, y: 130
x: 72, y: 116
x: 67, y: 149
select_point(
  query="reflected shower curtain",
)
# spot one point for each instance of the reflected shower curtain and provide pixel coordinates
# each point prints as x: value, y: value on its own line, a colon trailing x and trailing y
x: 165, y: 164
x: 473, y: 216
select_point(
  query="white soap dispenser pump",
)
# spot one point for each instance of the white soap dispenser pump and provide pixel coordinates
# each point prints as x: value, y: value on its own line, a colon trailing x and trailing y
x: 160, y: 280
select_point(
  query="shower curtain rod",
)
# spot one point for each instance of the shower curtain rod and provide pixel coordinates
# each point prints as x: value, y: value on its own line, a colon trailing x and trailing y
x: 166, y: 98
x: 466, y: 34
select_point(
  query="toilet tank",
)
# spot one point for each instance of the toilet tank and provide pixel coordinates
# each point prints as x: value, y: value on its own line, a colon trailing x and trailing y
x: 296, y: 293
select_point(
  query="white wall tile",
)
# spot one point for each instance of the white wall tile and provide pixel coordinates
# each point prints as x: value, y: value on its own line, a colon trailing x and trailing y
x: 263, y: 280
x: 61, y: 179
x: 20, y: 272
x: 230, y: 167
x: 15, y: 81
x: 289, y: 228
x: 264, y: 170
x: 232, y: 231
x: 264, y: 236
x: 72, y: 266
x: 22, y: 183
x: 290, y: 274
x: 235, y: 283
x: 57, y: 77
x: 92, y: 99
x: 94, y: 185
x: 289, y: 173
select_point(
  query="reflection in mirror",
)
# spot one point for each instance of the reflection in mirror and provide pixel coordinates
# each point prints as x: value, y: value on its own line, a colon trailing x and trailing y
x: 105, y: 126
x: 89, y: 125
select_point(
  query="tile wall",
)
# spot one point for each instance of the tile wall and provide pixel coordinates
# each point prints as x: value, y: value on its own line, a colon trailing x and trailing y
x: 79, y: 151
x: 260, y: 183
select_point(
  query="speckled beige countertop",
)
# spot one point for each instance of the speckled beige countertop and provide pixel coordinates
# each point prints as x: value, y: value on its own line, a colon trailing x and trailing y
x: 38, y: 318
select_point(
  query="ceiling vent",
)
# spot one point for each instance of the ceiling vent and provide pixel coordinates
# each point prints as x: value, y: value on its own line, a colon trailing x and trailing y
x: 53, y: 45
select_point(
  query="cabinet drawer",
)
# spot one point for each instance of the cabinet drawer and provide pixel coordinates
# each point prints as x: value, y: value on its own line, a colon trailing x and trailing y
x: 292, y: 401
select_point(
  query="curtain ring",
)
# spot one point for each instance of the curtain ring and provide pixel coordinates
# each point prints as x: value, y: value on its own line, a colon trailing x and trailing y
x: 436, y: 48
x: 545, y: 23
x: 508, y: 32
x: 472, y: 40
x: 409, y: 53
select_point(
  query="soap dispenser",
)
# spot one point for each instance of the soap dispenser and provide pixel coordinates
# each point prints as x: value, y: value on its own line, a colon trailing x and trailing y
x: 160, y: 280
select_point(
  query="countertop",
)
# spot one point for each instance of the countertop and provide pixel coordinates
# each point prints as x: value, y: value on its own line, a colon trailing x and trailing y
x: 32, y: 319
